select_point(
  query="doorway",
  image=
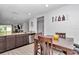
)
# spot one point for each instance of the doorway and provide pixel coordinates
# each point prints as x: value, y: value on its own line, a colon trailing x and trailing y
x: 40, y: 25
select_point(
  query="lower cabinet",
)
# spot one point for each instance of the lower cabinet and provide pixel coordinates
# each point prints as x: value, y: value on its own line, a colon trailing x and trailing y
x: 2, y: 44
x: 25, y: 39
x: 19, y: 40
x: 10, y: 42
x: 13, y: 41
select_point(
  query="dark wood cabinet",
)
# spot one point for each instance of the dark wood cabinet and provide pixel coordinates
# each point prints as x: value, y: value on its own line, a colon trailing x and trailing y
x: 22, y: 40
x: 2, y: 44
x: 10, y: 42
x: 19, y: 40
x: 25, y: 39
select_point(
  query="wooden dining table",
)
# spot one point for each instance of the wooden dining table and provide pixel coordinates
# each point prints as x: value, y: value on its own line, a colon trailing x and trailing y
x: 65, y: 45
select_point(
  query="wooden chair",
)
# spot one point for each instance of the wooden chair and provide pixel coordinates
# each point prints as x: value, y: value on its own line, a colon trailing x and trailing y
x: 36, y: 43
x: 46, y: 45
x: 61, y: 35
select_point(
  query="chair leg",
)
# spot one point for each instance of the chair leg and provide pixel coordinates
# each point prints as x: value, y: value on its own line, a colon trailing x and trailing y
x: 52, y: 50
x: 35, y: 47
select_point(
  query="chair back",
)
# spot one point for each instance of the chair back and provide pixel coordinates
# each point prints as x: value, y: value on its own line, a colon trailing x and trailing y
x: 37, y: 34
x: 46, y: 45
x: 36, y: 43
x: 61, y: 35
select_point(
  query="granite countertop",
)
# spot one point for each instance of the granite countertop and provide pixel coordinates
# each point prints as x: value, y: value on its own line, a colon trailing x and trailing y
x: 29, y: 33
x: 12, y: 34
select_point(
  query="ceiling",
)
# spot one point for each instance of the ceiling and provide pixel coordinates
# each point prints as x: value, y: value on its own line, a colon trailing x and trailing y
x: 18, y: 13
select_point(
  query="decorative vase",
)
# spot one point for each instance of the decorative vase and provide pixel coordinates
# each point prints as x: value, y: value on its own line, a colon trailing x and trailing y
x: 56, y: 37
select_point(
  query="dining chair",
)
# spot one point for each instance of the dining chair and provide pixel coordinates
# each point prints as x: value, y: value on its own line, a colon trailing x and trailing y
x: 36, y: 43
x: 61, y: 35
x: 45, y: 45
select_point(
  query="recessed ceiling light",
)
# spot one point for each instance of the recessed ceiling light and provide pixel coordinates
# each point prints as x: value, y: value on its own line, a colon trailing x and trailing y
x: 29, y: 13
x: 46, y: 5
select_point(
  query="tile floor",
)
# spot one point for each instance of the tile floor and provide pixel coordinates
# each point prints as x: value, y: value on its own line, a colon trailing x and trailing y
x: 26, y: 50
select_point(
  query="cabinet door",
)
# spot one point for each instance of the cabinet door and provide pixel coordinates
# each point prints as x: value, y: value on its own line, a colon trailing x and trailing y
x: 19, y: 40
x: 25, y: 39
x: 10, y: 42
x: 2, y: 44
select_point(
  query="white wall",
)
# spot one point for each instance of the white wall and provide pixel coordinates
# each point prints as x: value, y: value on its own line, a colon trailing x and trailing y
x: 34, y: 27
x: 25, y: 27
x: 70, y: 26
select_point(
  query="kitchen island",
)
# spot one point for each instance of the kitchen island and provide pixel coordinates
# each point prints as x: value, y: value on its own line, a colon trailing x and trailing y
x: 13, y: 40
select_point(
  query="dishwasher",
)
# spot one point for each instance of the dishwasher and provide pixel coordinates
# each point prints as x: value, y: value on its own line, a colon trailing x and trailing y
x: 31, y: 38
